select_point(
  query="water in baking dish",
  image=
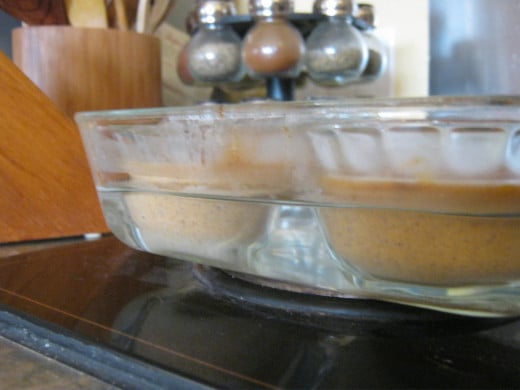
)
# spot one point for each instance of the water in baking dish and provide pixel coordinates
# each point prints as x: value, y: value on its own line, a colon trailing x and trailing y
x: 265, y: 238
x: 442, y: 260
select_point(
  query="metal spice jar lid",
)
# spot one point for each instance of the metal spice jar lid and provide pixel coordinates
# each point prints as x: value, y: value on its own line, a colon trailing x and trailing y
x: 270, y: 8
x: 212, y: 11
x: 334, y: 7
x: 366, y: 13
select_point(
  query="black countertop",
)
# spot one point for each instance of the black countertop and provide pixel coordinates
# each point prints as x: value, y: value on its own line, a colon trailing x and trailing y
x: 110, y: 310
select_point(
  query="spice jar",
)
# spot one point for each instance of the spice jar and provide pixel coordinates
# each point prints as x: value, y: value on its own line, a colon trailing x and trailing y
x: 377, y: 54
x: 336, y: 53
x: 273, y: 47
x: 183, y: 70
x: 214, y: 51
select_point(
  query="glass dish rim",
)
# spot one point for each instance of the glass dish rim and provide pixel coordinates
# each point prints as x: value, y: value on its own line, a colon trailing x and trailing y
x: 346, y: 105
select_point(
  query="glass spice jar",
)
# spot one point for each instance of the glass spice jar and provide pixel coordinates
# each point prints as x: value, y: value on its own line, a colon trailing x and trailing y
x: 183, y: 70
x: 273, y: 47
x: 336, y: 52
x: 214, y: 51
x: 377, y: 53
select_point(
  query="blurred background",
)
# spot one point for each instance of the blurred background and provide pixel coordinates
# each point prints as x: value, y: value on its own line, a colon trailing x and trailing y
x: 438, y: 47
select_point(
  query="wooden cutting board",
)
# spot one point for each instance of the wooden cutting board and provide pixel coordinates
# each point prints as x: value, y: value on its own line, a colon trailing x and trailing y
x: 46, y: 186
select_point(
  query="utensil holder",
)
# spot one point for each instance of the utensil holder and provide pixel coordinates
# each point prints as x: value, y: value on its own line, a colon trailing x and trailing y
x: 85, y: 69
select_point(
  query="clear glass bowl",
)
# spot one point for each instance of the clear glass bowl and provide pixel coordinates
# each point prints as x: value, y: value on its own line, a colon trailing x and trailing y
x: 408, y: 200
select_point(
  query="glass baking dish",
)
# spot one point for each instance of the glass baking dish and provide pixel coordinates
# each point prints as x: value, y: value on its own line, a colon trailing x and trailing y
x: 406, y: 200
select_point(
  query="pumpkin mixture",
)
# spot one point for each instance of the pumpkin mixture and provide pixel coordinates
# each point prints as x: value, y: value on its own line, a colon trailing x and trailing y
x: 426, y: 233
x: 206, y: 228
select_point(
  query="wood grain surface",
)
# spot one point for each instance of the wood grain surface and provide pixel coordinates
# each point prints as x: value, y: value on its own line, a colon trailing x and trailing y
x: 86, y: 69
x: 36, y: 12
x: 47, y: 190
x: 130, y: 7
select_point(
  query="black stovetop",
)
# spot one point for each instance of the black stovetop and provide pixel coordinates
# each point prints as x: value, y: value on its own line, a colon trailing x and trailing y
x: 180, y: 325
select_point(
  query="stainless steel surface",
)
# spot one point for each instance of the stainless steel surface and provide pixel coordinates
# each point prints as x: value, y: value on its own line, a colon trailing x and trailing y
x: 268, y: 8
x: 212, y: 11
x: 333, y: 7
x: 366, y: 13
x: 474, y: 47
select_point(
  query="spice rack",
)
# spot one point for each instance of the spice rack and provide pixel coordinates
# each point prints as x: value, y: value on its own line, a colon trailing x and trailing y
x: 281, y: 88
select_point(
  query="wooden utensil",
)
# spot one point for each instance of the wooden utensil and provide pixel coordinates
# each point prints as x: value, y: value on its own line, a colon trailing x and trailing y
x: 160, y: 10
x: 36, y: 12
x: 150, y: 14
x: 87, y: 13
x: 121, y: 18
x: 130, y: 11
x: 142, y: 20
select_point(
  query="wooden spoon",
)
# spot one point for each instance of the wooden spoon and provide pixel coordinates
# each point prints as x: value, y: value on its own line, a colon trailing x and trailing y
x: 150, y: 16
x: 115, y: 16
x: 35, y: 12
x: 142, y: 20
x: 160, y: 10
x: 121, y: 18
x: 87, y: 13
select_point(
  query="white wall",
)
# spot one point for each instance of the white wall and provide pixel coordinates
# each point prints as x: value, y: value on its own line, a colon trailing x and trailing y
x: 409, y: 21
x: 406, y: 24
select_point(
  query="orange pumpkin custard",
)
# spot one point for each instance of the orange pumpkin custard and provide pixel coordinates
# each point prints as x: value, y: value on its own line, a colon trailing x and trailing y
x: 177, y: 214
x: 440, y: 234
